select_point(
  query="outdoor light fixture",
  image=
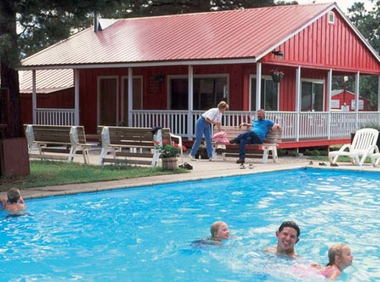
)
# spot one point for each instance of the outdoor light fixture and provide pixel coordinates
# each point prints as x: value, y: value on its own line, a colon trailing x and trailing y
x: 279, y: 54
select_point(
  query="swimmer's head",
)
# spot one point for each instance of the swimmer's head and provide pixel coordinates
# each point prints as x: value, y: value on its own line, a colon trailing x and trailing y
x: 13, y: 195
x: 219, y: 230
x: 340, y: 254
x: 290, y: 224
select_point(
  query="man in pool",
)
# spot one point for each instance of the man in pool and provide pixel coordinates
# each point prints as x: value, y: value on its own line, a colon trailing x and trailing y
x: 287, y: 236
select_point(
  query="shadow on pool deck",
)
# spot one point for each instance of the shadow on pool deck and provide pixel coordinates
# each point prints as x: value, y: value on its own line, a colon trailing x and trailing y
x: 202, y: 169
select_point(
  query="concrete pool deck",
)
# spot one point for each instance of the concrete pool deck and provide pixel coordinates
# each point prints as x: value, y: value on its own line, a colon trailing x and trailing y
x: 202, y: 169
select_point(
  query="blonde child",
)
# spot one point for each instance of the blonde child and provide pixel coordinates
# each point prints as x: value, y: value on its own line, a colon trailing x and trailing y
x: 219, y: 231
x: 16, y: 203
x: 340, y: 257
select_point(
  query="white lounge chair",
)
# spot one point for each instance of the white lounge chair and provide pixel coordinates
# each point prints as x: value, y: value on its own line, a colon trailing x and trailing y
x: 363, y: 145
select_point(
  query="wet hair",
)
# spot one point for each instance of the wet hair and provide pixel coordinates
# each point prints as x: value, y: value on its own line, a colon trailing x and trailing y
x: 13, y: 195
x: 222, y: 105
x: 290, y: 224
x: 335, y: 250
x: 215, y: 228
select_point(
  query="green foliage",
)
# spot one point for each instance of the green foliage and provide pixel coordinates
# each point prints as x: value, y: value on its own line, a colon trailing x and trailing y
x: 371, y: 125
x: 48, y: 173
x: 169, y: 150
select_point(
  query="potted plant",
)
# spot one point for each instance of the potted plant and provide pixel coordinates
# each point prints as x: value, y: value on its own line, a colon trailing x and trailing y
x: 276, y: 75
x: 202, y: 152
x: 169, y: 152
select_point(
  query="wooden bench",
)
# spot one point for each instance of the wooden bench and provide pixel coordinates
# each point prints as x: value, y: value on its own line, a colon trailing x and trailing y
x: 65, y: 139
x: 138, y: 142
x: 270, y: 144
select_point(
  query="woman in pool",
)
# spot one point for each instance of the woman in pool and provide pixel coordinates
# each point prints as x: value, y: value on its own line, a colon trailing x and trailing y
x: 340, y: 257
x: 219, y: 231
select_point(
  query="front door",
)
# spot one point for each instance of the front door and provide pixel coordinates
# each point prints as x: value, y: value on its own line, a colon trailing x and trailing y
x: 107, y: 109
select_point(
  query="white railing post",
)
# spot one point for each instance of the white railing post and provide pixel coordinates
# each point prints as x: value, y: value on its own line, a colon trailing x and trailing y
x: 34, y: 96
x: 357, y: 78
x: 76, y: 99
x: 258, y: 87
x: 298, y: 101
x: 329, y: 84
x: 190, y: 102
x: 130, y: 95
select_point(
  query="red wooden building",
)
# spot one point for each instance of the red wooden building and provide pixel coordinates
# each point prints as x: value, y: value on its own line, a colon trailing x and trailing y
x: 165, y: 71
x: 345, y: 100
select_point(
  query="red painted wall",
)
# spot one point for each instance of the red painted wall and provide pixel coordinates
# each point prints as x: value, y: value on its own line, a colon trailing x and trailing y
x: 349, y: 98
x: 325, y: 45
x: 63, y: 99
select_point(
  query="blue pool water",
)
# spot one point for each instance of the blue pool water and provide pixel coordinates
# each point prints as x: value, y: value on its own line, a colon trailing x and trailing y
x: 145, y: 234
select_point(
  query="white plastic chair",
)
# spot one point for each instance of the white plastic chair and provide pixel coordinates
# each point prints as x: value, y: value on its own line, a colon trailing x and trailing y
x: 363, y: 145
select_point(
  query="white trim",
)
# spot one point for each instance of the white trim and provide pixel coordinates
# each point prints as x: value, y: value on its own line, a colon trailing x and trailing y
x: 331, y: 13
x: 329, y: 85
x: 265, y: 77
x: 98, y: 78
x: 258, y: 86
x: 316, y: 81
x: 130, y: 96
x: 144, y: 64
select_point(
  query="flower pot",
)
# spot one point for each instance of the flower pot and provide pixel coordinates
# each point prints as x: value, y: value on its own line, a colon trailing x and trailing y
x: 202, y: 154
x: 170, y: 163
x: 276, y: 77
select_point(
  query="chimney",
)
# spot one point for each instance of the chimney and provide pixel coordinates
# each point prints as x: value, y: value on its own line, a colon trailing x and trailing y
x: 96, y: 22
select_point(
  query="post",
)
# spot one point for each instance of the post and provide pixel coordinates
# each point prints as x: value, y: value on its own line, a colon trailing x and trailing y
x: 34, y: 97
x: 190, y: 102
x: 130, y: 96
x: 258, y: 87
x: 298, y: 101
x: 357, y: 78
x: 329, y: 84
x: 76, y: 99
x: 378, y: 100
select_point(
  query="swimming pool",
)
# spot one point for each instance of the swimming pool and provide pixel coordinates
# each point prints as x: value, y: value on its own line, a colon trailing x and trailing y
x: 144, y: 234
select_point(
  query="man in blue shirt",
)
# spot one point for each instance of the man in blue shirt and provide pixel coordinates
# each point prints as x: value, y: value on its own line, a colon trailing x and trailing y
x: 255, y: 136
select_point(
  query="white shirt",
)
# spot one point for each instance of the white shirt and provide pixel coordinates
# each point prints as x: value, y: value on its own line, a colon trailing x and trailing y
x: 213, y: 114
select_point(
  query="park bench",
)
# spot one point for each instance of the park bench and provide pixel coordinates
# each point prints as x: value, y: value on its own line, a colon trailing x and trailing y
x: 272, y: 140
x: 57, y: 139
x: 135, y: 144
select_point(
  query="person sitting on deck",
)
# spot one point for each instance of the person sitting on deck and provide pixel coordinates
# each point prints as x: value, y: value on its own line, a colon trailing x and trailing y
x: 255, y: 136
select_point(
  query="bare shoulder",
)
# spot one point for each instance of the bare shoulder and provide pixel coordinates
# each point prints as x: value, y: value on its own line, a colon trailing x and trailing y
x: 271, y: 249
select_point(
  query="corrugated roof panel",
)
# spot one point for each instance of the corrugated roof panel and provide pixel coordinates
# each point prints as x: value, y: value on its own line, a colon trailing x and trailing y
x: 46, y: 80
x: 215, y: 35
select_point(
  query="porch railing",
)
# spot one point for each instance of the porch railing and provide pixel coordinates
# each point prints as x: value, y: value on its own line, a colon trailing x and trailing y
x: 312, y: 125
x: 55, y: 116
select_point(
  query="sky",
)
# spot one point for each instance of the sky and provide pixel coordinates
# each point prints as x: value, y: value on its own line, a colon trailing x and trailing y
x: 342, y: 4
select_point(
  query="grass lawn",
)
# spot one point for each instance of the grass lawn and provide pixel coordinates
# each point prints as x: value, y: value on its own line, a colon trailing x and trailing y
x: 48, y: 173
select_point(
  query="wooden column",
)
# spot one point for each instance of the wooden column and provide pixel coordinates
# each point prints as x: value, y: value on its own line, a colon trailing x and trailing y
x: 76, y: 99
x: 329, y: 85
x: 357, y: 78
x: 258, y: 87
x: 34, y: 97
x: 298, y: 101
x: 190, y: 103
x: 130, y: 96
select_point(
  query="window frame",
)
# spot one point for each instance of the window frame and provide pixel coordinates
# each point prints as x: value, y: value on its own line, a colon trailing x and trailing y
x: 331, y: 17
x: 265, y: 77
x: 185, y: 76
x: 314, y: 81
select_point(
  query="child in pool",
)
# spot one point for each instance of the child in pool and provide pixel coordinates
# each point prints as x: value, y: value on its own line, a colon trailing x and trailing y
x: 16, y: 205
x: 340, y: 257
x: 219, y: 231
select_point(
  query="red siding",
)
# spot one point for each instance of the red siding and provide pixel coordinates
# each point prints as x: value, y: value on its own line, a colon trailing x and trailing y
x: 324, y: 45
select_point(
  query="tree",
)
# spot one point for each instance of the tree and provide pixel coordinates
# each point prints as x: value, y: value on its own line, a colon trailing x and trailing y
x: 368, y: 23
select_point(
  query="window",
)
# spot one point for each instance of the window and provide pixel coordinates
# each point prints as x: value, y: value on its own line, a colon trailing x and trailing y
x: 269, y: 94
x: 208, y: 92
x: 331, y: 17
x: 312, y: 96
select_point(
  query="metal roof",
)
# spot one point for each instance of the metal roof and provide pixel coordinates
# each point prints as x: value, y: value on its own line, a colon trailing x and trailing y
x: 235, y: 34
x: 47, y: 81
